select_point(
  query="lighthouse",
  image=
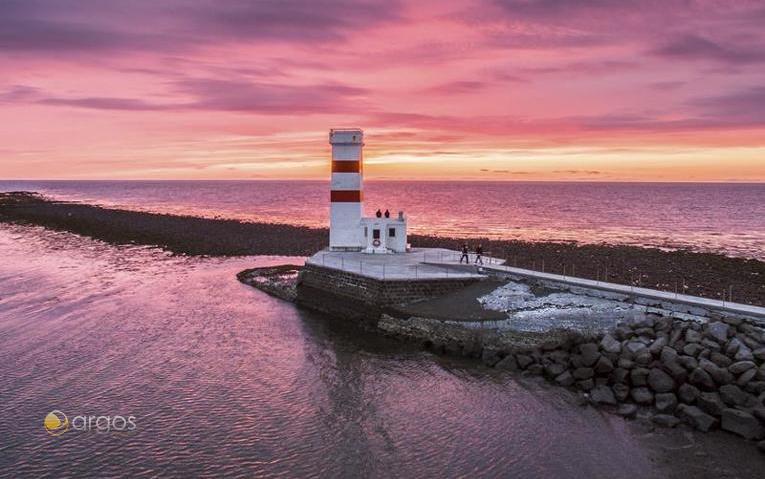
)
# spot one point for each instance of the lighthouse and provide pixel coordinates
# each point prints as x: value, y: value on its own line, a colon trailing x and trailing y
x: 349, y: 230
x: 346, y: 195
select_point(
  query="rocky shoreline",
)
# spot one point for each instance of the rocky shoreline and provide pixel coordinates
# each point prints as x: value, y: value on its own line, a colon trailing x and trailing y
x: 698, y: 274
x: 668, y: 372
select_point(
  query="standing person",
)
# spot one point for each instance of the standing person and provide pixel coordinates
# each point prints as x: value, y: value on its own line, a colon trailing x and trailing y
x: 478, y: 253
x: 465, y: 254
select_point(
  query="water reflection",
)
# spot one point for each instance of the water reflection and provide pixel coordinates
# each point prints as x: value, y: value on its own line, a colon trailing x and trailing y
x: 225, y: 380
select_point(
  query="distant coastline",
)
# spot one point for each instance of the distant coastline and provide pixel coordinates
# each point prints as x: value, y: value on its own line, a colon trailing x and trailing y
x: 728, y: 219
x: 704, y: 274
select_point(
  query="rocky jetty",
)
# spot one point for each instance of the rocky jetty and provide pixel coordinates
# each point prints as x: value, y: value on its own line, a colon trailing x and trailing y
x: 708, y: 376
x: 669, y: 371
x: 279, y: 281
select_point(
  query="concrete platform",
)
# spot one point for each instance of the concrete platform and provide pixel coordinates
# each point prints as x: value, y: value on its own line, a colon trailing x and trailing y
x: 420, y: 263
x: 754, y: 312
x: 439, y: 263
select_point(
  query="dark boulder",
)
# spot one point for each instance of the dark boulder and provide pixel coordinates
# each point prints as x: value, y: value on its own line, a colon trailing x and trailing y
x: 744, y: 354
x: 535, y: 369
x: 583, y: 373
x: 554, y: 370
x: 692, y: 336
x: 644, y: 358
x: 603, y: 395
x: 610, y: 344
x: 639, y: 376
x: 742, y: 423
x: 619, y: 375
x: 718, y: 331
x: 733, y: 395
x: 746, y: 377
x: 688, y: 394
x: 508, y: 363
x: 589, y: 354
x: 759, y: 354
x: 603, y: 365
x: 490, y: 357
x: 696, y: 417
x: 692, y: 349
x: 668, y: 355
x: 665, y: 420
x: 524, y: 360
x: 565, y: 379
x: 688, y: 362
x: 666, y: 402
x: 710, y: 403
x: 621, y: 391
x: 701, y: 379
x: 720, y: 359
x: 660, y: 381
x: 586, y: 384
x: 719, y: 375
x: 642, y: 395
x: 656, y: 347
x: 627, y: 410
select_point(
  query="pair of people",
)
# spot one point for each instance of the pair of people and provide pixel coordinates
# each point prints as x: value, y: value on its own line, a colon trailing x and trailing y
x: 379, y: 214
x: 478, y: 254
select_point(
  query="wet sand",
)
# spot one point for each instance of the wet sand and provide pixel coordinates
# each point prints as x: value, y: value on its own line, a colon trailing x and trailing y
x: 699, y: 274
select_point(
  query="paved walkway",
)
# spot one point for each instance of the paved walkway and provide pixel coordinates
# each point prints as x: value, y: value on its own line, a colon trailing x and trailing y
x: 436, y: 263
x: 707, y: 303
x: 420, y: 263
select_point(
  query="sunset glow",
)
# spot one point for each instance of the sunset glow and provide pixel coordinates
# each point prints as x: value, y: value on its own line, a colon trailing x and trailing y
x: 603, y: 90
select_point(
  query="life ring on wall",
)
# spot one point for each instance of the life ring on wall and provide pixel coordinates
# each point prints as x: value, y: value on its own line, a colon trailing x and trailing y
x: 376, y: 243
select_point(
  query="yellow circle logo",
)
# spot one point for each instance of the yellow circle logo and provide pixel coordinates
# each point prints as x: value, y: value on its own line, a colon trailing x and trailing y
x: 56, y: 423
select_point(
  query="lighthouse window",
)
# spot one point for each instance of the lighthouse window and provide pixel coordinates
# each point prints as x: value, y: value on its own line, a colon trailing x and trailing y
x: 375, y: 234
x: 366, y: 231
x: 392, y: 232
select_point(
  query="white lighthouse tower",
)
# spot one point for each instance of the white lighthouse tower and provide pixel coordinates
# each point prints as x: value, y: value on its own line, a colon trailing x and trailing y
x: 348, y: 229
x: 347, y: 195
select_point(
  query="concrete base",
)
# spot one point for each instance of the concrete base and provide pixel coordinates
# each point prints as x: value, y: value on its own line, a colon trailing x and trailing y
x: 427, y: 264
x: 416, y: 264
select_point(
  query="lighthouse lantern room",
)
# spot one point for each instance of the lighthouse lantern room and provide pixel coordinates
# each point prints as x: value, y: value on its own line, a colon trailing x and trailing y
x: 348, y: 229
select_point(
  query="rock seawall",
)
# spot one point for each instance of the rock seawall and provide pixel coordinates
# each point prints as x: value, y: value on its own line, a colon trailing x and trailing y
x: 371, y: 292
x: 706, y: 375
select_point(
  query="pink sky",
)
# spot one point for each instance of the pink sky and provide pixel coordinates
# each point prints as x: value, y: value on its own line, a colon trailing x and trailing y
x: 493, y: 89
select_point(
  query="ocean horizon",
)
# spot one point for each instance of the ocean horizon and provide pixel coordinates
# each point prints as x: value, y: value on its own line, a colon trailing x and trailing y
x: 725, y: 218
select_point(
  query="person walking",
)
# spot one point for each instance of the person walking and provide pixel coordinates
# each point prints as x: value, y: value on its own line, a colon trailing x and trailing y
x: 478, y: 254
x: 465, y: 254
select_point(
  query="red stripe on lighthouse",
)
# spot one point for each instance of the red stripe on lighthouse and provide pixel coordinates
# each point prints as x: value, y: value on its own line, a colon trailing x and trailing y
x: 345, y: 196
x: 346, y: 166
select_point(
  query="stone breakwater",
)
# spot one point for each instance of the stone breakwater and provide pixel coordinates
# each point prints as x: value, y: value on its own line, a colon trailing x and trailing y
x: 279, y: 281
x: 705, y: 375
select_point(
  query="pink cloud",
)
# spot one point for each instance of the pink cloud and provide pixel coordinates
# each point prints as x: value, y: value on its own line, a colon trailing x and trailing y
x: 259, y: 82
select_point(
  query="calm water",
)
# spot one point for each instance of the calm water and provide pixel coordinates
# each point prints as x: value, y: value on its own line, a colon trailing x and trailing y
x: 224, y: 380
x: 726, y: 218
